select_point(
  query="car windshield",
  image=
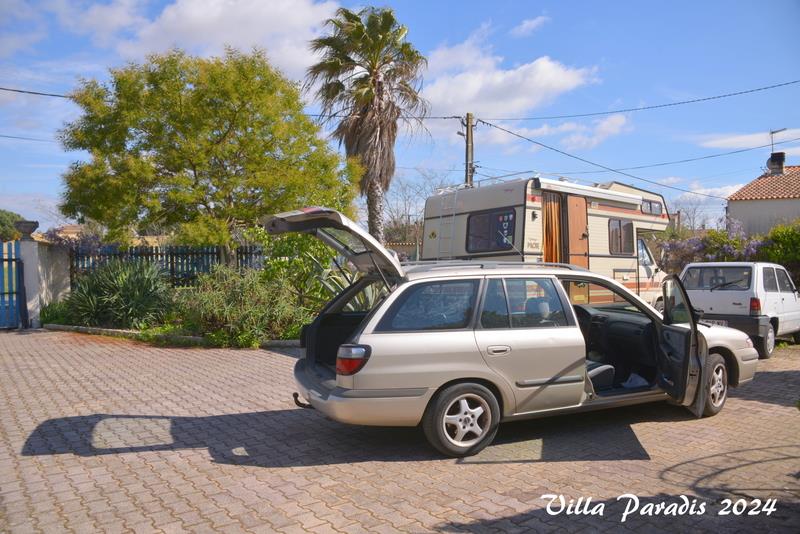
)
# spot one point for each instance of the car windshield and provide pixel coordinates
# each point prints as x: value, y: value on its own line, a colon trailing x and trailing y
x: 718, y: 278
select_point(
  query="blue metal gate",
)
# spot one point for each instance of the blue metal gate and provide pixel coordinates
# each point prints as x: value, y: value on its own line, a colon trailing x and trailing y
x: 12, y: 298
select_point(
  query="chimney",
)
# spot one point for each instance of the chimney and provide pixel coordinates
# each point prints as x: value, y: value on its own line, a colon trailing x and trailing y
x: 775, y: 162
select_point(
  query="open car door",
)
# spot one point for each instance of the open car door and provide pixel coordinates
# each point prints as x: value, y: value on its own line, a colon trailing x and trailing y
x: 346, y: 237
x: 681, y: 352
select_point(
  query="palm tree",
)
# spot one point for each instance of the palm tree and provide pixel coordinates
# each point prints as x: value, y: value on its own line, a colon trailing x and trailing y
x: 368, y: 78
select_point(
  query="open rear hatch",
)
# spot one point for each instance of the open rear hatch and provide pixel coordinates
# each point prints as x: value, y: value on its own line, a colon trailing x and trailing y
x: 333, y: 326
x: 346, y: 237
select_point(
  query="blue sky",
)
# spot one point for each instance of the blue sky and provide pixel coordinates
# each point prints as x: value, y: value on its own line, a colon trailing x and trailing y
x: 499, y: 59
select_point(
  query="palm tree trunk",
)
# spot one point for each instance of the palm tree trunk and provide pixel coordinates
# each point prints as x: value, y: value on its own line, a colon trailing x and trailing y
x: 375, y: 210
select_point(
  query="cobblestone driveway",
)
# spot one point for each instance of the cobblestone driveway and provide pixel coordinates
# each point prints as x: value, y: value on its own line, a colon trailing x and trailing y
x: 98, y: 433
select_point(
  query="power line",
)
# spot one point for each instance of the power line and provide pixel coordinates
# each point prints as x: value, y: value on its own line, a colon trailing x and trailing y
x: 584, y: 160
x: 315, y: 115
x: 643, y: 108
x: 688, y: 160
x: 27, y: 138
x: 661, y: 164
x: 37, y: 93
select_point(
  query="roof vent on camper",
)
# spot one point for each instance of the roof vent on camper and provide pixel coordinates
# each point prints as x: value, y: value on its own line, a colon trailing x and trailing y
x: 775, y: 162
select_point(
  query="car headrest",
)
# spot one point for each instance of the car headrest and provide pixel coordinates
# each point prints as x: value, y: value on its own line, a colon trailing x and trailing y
x: 537, y: 306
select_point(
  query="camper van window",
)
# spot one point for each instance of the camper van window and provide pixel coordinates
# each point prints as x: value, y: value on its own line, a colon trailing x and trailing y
x: 652, y: 207
x: 491, y: 230
x: 620, y: 237
x: 645, y: 258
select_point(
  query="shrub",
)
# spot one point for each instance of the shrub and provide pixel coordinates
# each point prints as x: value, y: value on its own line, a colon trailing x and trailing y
x: 241, y: 309
x: 121, y: 294
x: 55, y: 313
x: 783, y: 246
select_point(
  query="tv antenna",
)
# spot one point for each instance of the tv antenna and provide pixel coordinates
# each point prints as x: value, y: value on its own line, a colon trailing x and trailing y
x: 772, y: 137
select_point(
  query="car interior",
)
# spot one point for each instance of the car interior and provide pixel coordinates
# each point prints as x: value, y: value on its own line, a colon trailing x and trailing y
x: 337, y: 323
x: 621, y: 340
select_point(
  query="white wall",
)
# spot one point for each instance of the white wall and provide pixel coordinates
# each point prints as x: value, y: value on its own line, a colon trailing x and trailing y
x: 46, y: 275
x: 759, y: 216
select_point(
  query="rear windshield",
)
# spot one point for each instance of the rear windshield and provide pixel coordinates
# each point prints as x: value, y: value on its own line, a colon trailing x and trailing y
x: 718, y: 278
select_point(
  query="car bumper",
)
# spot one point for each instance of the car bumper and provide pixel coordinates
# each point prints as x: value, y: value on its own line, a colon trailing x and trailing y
x: 752, y: 325
x: 373, y: 407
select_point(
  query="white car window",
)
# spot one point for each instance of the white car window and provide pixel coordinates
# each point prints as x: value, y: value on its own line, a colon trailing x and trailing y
x: 784, y: 283
x: 770, y: 282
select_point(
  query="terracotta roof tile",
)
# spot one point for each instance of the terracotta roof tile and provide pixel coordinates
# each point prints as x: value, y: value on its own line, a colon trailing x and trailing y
x: 772, y: 186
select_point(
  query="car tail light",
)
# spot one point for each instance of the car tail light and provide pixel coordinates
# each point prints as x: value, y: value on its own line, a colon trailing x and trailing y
x: 351, y: 358
x: 755, y: 306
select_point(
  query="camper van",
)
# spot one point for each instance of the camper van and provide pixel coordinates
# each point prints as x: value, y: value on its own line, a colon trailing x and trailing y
x: 601, y: 228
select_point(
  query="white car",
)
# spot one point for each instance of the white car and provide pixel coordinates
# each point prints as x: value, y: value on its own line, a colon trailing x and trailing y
x: 757, y: 298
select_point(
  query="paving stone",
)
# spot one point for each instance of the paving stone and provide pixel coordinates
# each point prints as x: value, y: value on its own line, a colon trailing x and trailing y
x: 117, y: 436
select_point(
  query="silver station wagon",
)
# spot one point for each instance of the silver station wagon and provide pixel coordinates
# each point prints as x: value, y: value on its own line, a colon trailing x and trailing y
x: 459, y: 347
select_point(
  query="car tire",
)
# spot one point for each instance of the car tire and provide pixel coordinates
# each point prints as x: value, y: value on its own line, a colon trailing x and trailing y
x: 796, y: 338
x: 462, y: 419
x: 716, y: 386
x: 659, y: 305
x: 766, y: 345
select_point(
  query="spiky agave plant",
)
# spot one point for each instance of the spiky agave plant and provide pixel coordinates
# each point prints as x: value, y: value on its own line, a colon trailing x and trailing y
x: 122, y: 294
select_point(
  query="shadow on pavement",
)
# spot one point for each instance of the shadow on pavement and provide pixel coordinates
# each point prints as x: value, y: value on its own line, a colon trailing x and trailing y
x: 771, y: 387
x: 754, y: 475
x: 296, y: 437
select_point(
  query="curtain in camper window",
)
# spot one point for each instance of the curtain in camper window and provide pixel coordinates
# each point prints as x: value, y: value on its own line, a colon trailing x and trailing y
x: 551, y: 226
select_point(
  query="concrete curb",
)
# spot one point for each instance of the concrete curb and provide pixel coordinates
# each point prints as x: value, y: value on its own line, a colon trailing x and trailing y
x: 94, y: 330
x: 137, y: 335
x: 281, y: 344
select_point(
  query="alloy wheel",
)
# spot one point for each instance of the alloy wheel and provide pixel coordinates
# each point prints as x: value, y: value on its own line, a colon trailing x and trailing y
x: 770, y: 340
x: 719, y: 385
x: 466, y: 420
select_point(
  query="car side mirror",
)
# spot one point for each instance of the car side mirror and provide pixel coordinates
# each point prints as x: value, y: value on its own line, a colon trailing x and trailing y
x: 698, y: 314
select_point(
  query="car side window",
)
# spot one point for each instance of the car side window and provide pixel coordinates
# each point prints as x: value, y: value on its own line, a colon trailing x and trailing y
x: 495, y: 306
x: 534, y: 303
x: 784, y: 283
x: 770, y: 282
x: 432, y: 306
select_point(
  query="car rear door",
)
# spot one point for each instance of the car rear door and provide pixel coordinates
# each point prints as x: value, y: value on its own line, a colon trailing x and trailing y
x: 527, y: 334
x: 771, y: 304
x: 343, y: 235
x: 790, y: 303
x: 682, y: 353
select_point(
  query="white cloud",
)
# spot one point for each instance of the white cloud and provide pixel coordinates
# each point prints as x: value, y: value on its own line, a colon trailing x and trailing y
x: 469, y: 77
x: 734, y: 141
x: 528, y: 26
x: 102, y: 22
x: 723, y: 191
x: 791, y: 151
x: 11, y: 43
x: 14, y: 15
x: 600, y: 131
x: 671, y: 180
x: 282, y: 27
x: 493, y: 136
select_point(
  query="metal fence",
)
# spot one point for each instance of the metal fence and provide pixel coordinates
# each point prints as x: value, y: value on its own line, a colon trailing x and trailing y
x: 12, y: 296
x: 181, y: 263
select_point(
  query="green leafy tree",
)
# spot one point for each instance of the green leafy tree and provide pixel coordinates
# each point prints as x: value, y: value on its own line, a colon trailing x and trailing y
x: 205, y: 147
x: 368, y: 79
x: 7, y: 230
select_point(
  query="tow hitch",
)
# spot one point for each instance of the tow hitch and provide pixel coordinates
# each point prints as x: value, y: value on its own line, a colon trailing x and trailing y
x: 298, y: 402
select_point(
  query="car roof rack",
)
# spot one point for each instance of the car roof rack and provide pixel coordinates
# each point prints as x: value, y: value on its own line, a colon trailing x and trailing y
x: 442, y: 264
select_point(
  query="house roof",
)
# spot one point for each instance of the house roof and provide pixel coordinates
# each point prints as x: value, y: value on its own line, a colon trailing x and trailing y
x: 772, y: 186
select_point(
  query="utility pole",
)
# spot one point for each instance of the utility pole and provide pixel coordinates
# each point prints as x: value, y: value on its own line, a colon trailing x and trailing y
x: 469, y: 165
